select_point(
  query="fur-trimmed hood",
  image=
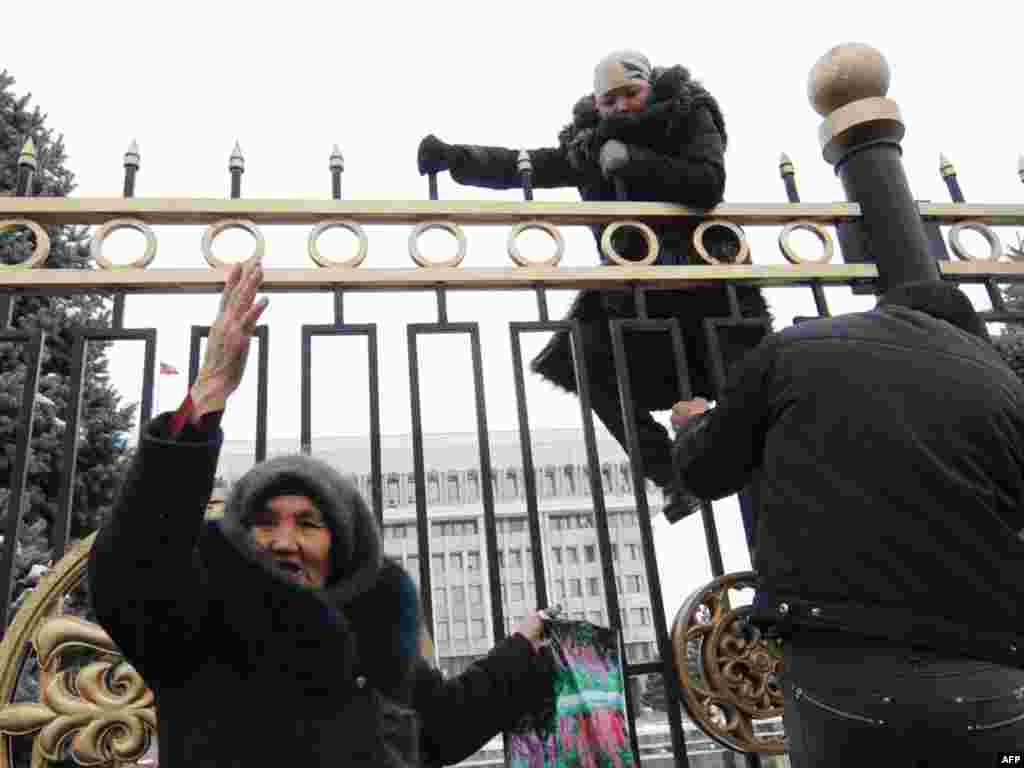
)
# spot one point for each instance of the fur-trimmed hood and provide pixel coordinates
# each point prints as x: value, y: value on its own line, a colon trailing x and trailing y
x: 675, y: 96
x: 356, y: 557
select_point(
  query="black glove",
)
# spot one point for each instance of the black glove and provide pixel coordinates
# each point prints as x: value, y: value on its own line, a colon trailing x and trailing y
x: 432, y: 156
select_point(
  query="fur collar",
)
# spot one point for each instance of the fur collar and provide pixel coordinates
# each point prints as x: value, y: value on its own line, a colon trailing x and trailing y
x: 675, y: 95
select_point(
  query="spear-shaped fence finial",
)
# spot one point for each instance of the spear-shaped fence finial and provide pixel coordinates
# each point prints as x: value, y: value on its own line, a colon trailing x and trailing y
x: 525, y: 167
x: 27, y: 167
x: 948, y: 171
x: 132, y: 160
x: 788, y: 173
x: 337, y: 168
x: 236, y: 165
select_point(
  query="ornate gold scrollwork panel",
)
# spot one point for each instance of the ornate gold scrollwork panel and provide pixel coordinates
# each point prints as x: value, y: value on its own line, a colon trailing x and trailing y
x: 99, y: 713
x: 727, y: 672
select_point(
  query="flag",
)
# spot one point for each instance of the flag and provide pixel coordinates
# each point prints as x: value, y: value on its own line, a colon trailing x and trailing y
x: 166, y: 369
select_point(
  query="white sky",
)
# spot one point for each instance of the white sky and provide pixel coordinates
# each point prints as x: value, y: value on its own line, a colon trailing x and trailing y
x: 289, y: 80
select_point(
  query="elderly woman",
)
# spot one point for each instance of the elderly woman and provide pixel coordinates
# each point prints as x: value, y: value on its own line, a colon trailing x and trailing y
x: 279, y: 635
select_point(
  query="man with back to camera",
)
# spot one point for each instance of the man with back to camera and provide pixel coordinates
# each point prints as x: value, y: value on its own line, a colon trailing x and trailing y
x: 890, y: 526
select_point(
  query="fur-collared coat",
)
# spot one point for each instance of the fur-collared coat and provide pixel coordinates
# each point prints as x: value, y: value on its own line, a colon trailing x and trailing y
x: 676, y: 147
x: 249, y: 669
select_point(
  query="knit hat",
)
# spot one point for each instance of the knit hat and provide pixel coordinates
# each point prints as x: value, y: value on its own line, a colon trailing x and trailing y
x: 938, y: 299
x: 355, y: 537
x: 619, y: 68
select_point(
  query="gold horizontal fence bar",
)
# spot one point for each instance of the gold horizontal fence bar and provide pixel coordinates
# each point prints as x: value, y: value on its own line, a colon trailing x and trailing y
x: 313, y: 279
x: 188, y: 210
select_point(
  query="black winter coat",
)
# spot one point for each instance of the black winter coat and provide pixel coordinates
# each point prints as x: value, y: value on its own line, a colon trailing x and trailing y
x: 677, y: 148
x: 461, y: 714
x: 249, y: 670
x: 890, y: 450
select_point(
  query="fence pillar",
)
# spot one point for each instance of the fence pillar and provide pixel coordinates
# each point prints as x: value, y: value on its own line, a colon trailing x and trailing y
x: 860, y: 137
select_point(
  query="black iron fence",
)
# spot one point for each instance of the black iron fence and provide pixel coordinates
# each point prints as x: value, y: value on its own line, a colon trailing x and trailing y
x: 883, y: 239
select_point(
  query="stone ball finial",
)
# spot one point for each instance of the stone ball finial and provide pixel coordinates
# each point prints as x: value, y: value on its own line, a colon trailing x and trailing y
x: 845, y: 74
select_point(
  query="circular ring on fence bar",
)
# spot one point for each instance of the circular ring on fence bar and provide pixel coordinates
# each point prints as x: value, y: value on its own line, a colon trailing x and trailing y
x: 219, y: 226
x: 609, y: 250
x: 96, y: 246
x: 449, y: 226
x: 815, y: 229
x: 352, y: 226
x: 995, y: 245
x: 698, y: 241
x: 552, y: 230
x: 42, y: 249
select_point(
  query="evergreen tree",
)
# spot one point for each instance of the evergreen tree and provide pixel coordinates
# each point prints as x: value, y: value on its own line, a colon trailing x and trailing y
x: 104, y: 420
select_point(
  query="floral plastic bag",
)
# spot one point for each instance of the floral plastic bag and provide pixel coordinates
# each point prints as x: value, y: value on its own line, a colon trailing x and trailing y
x: 584, y: 721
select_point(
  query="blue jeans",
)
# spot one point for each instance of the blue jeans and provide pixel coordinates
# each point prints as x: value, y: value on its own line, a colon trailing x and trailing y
x: 852, y: 701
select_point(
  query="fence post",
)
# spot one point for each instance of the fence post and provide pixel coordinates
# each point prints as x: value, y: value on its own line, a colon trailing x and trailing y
x: 860, y: 137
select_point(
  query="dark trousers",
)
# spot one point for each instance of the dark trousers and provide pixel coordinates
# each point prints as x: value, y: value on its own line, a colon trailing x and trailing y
x: 852, y: 701
x: 655, y: 443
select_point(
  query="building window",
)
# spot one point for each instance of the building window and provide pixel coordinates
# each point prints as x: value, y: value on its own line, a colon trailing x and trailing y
x: 511, y: 483
x: 571, y: 556
x: 575, y: 588
x: 473, y: 561
x: 634, y: 551
x: 626, y: 478
x: 437, y: 561
x: 472, y: 486
x: 476, y: 594
x: 570, y: 479
x: 460, y: 630
x: 548, y: 487
x: 437, y: 529
x: 517, y: 525
x: 439, y: 599
x: 515, y: 558
x: 638, y: 616
x: 393, y: 490
x: 589, y: 553
x: 628, y: 520
x: 615, y: 551
x: 501, y: 559
x: 412, y: 564
x: 434, y: 488
x: 556, y: 523
x: 556, y: 552
x: 584, y: 521
x: 410, y: 488
x: 453, y: 488
x: 579, y: 616
x: 633, y: 584
x: 442, y: 631
x: 479, y: 629
x: 560, y: 588
x: 458, y: 595
x: 456, y: 561
x: 596, y: 617
x: 517, y: 591
x: 593, y: 587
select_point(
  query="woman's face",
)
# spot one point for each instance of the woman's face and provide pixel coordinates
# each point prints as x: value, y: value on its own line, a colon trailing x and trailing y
x: 295, y: 535
x: 628, y: 98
